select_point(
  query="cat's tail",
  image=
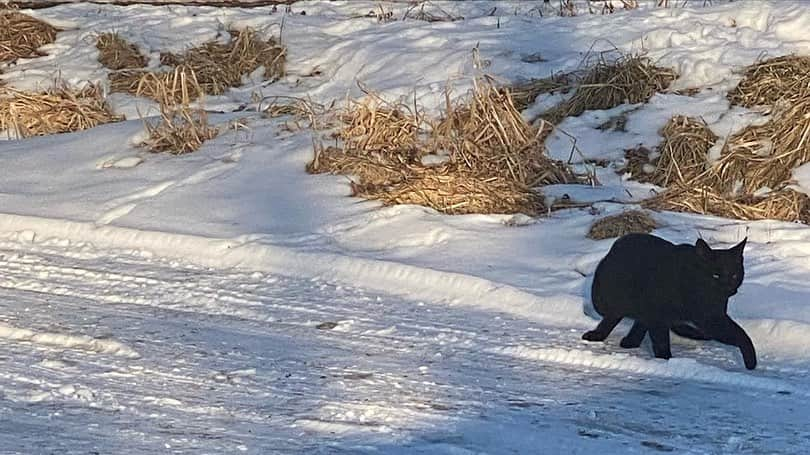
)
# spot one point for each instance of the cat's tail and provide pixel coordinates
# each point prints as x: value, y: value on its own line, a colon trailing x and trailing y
x: 689, y: 331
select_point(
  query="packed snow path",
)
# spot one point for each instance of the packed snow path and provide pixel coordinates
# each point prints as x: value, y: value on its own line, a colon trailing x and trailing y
x: 107, y: 351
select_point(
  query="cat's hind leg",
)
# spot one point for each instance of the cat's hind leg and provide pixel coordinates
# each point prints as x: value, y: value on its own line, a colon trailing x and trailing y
x: 660, y: 342
x: 634, y: 337
x: 603, y: 329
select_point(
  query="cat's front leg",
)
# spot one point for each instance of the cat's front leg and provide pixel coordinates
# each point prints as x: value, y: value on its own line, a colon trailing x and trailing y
x: 634, y: 337
x: 660, y: 341
x: 727, y: 331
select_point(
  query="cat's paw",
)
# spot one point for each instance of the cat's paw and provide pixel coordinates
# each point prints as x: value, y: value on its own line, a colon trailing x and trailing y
x: 592, y: 335
x: 628, y: 343
x: 666, y: 355
x: 750, y: 363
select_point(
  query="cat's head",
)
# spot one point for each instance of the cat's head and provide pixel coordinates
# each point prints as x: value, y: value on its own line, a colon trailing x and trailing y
x: 726, y: 266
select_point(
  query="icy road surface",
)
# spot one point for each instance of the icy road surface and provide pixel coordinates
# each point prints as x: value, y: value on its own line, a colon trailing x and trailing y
x: 105, y: 351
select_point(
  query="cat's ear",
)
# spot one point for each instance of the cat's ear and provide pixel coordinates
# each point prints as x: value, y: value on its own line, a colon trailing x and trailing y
x: 738, y: 248
x: 703, y: 249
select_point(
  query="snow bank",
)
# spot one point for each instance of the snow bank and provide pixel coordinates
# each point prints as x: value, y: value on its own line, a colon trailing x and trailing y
x: 400, y: 279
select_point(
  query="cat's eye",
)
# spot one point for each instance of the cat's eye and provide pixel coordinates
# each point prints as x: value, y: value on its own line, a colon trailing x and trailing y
x: 716, y: 276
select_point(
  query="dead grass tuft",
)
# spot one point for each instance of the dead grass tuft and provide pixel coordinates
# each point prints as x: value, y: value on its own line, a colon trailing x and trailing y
x: 772, y: 80
x: 785, y: 204
x: 630, y: 79
x: 628, y: 222
x: 456, y: 191
x: 684, y: 152
x: 752, y: 178
x: 21, y: 36
x: 487, y: 134
x: 372, y: 168
x: 763, y: 157
x: 181, y: 128
x: 58, y: 110
x: 377, y: 126
x: 128, y: 81
x: 218, y: 66
x: 116, y: 53
x: 480, y: 157
x: 525, y: 93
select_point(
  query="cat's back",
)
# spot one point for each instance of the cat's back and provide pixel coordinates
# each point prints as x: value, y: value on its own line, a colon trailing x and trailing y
x: 636, y: 266
x: 641, y: 247
x: 641, y: 255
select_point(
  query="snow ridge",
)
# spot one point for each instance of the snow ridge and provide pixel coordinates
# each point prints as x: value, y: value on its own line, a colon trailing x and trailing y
x: 67, y: 341
x: 679, y: 368
x: 400, y: 279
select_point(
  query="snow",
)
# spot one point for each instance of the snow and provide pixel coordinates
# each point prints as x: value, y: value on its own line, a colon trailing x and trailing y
x: 224, y: 301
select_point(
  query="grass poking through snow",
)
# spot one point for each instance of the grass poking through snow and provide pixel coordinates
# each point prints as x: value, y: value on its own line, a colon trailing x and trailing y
x: 58, y: 110
x: 181, y: 128
x: 21, y: 36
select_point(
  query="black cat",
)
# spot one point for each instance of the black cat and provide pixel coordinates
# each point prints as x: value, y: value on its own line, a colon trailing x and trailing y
x: 664, y: 286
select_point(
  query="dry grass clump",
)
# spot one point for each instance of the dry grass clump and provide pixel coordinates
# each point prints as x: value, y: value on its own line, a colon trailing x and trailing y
x: 488, y: 135
x: 371, y: 169
x: 785, y: 204
x: 128, y: 81
x: 116, y: 53
x: 22, y: 35
x: 684, y: 152
x: 775, y: 79
x: 151, y: 84
x: 181, y: 128
x: 456, y: 191
x: 289, y: 105
x: 303, y: 112
x: 630, y: 79
x: 525, y: 93
x: 628, y: 222
x: 480, y: 157
x: 218, y: 66
x: 764, y: 156
x: 752, y: 178
x: 57, y: 110
x: 681, y: 157
x: 378, y: 126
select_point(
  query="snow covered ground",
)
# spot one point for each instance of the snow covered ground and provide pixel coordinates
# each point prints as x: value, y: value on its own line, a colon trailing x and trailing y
x: 172, y: 304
